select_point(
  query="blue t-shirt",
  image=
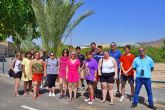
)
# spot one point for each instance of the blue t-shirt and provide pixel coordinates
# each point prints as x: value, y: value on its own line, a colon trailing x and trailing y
x: 98, y: 56
x: 116, y: 55
x: 143, y: 64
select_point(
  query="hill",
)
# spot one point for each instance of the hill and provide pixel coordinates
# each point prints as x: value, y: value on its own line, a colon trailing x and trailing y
x: 158, y: 43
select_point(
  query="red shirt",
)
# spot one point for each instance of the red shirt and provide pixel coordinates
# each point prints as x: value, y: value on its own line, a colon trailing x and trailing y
x: 127, y: 61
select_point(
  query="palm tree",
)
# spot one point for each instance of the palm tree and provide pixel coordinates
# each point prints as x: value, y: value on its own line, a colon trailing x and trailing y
x: 54, y: 20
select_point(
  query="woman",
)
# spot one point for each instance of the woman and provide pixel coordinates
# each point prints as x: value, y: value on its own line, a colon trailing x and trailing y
x: 72, y: 74
x: 51, y: 65
x: 90, y: 73
x: 27, y: 76
x: 108, y: 72
x: 17, y: 72
x: 37, y: 69
x: 62, y: 72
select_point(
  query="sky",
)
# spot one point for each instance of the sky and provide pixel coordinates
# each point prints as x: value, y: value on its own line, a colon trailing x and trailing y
x: 120, y: 21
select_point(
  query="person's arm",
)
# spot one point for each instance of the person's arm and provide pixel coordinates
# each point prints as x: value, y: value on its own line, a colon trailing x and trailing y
x: 96, y: 69
x: 44, y: 65
x: 152, y: 65
x: 31, y: 65
x: 67, y: 72
x: 12, y: 64
x: 58, y: 69
x: 99, y: 66
x: 122, y: 68
x: 115, y: 67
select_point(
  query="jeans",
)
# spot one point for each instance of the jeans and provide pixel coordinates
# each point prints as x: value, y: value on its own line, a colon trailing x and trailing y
x: 147, y: 84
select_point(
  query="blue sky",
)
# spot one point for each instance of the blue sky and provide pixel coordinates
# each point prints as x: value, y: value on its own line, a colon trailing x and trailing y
x: 120, y: 21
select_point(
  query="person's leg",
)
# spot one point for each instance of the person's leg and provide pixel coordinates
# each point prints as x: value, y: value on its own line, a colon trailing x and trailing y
x: 131, y: 83
x: 16, y: 85
x: 138, y: 86
x: 75, y: 89
x: 25, y: 88
x: 104, y: 91
x: 54, y: 77
x: 91, y: 92
x: 118, y: 83
x: 65, y: 87
x: 70, y: 91
x: 147, y: 84
x: 111, y: 92
x: 30, y: 86
x: 35, y: 84
x: 61, y: 86
x: 82, y: 82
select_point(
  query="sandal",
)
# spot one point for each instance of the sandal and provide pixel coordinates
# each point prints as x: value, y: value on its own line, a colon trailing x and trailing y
x: 75, y: 99
x: 25, y: 95
x: 16, y: 95
x: 111, y: 103
x: 102, y: 101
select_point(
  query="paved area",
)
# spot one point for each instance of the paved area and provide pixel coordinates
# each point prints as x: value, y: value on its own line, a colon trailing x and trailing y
x: 9, y: 102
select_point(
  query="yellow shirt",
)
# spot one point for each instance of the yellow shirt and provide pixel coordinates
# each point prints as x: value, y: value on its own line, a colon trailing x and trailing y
x: 26, y: 62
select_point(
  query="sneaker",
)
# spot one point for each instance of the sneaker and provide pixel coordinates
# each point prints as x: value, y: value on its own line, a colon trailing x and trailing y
x: 50, y: 94
x: 133, y: 105
x: 87, y: 100
x: 152, y: 107
x: 53, y: 95
x: 131, y: 100
x: 121, y: 99
x: 41, y: 86
x: 91, y: 102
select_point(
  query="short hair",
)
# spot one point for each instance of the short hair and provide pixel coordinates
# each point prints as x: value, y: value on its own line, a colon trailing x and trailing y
x: 113, y: 43
x: 88, y: 53
x: 65, y: 50
x: 100, y: 46
x: 127, y: 46
x: 78, y: 48
x: 28, y: 52
x: 93, y: 43
x: 51, y: 52
x: 70, y: 46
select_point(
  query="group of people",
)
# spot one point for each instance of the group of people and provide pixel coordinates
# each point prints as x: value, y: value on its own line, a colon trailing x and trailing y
x: 72, y: 68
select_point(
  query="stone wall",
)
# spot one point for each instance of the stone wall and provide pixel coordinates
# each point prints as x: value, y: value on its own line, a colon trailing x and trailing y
x: 6, y: 49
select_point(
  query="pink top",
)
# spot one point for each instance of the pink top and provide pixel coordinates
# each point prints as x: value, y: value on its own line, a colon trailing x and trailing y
x: 62, y: 69
x: 73, y: 74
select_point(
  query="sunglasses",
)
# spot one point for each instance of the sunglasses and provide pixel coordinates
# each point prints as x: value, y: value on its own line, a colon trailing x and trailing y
x: 141, y: 50
x: 51, y: 55
x: 73, y: 54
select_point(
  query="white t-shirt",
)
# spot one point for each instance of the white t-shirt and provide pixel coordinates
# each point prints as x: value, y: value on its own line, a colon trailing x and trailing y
x: 108, y: 66
x: 17, y: 66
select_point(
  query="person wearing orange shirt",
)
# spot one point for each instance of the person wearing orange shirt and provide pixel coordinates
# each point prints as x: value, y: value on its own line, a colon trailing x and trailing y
x: 127, y: 72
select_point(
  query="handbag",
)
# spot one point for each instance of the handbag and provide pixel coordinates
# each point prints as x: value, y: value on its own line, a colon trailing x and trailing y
x: 10, y: 73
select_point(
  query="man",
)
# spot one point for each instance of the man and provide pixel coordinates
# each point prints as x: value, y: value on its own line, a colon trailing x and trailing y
x: 115, y: 53
x: 144, y: 66
x: 127, y: 72
x: 81, y: 57
x: 93, y: 48
x: 32, y: 53
x: 97, y: 57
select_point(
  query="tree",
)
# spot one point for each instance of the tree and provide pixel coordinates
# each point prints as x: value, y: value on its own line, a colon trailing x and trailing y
x: 15, y: 17
x: 54, y: 20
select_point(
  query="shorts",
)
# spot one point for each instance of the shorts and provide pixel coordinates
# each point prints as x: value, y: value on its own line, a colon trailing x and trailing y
x: 37, y: 77
x: 90, y: 82
x: 17, y: 75
x: 107, y: 77
x: 51, y: 79
x: 124, y: 79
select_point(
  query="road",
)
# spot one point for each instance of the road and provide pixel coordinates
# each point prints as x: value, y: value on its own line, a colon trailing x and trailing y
x: 9, y: 102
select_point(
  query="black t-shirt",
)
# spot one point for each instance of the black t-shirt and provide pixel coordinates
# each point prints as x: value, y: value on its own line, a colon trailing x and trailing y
x: 81, y: 57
